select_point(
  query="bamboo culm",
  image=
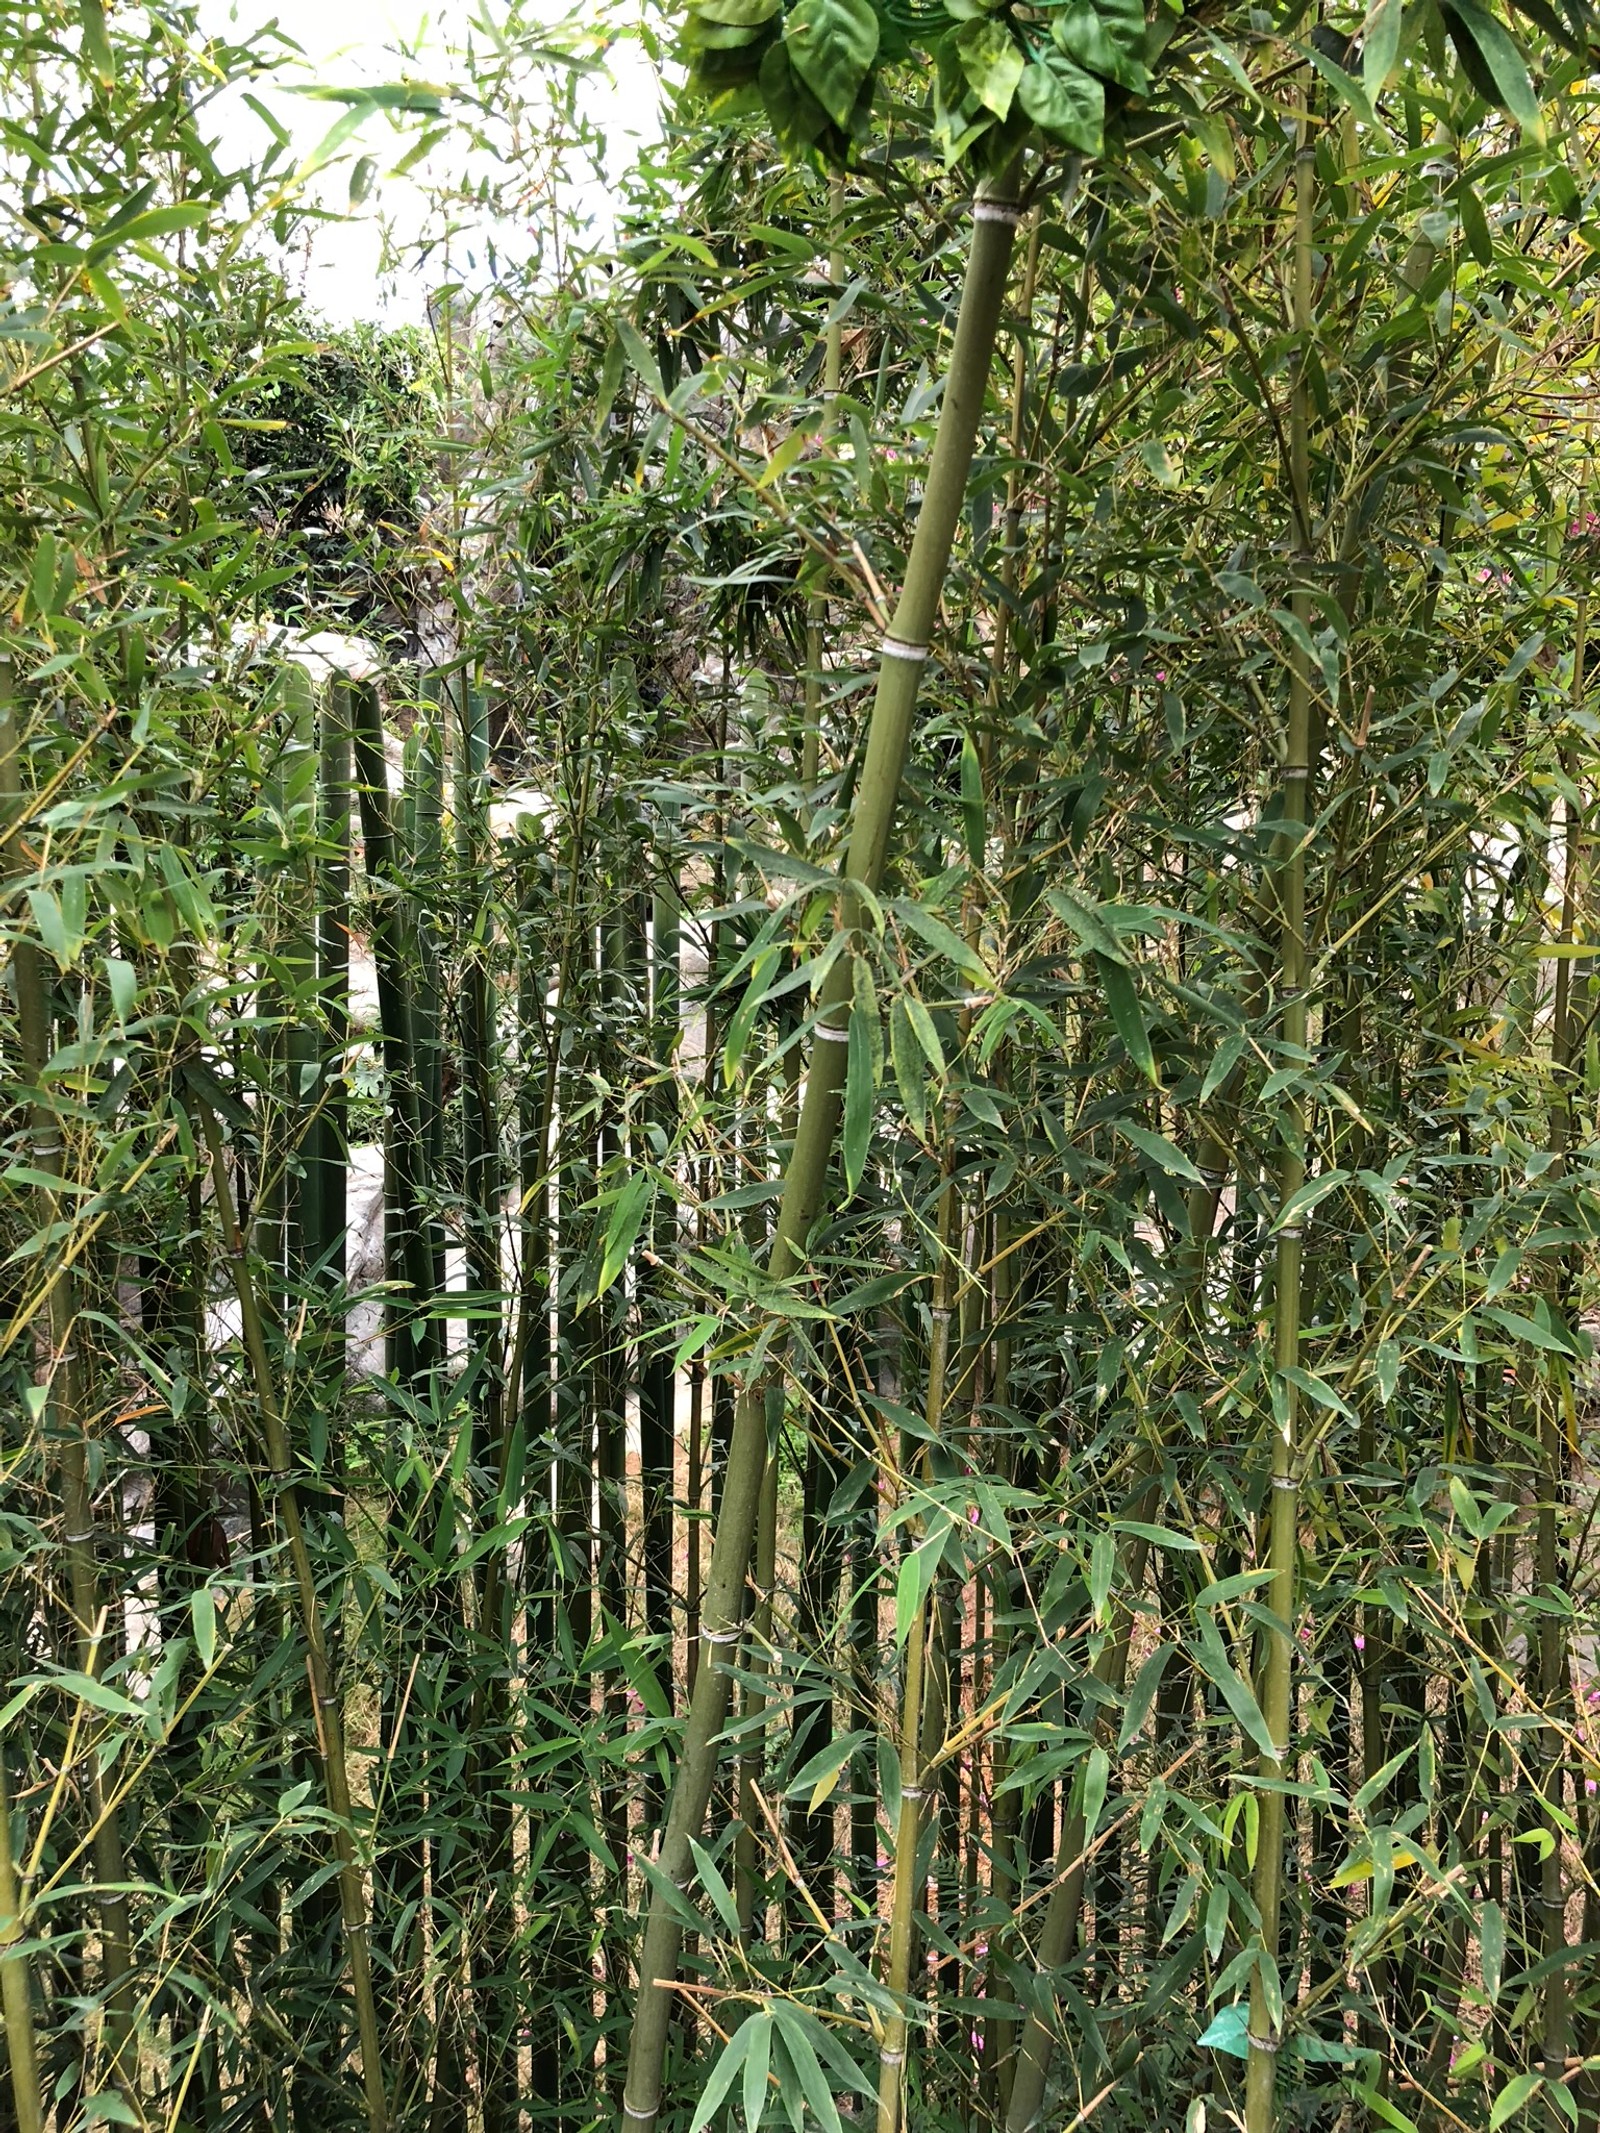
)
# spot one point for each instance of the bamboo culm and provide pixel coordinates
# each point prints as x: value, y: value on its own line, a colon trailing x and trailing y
x: 1275, y: 1689
x: 995, y: 215
x: 89, y: 1610
x: 328, y: 1718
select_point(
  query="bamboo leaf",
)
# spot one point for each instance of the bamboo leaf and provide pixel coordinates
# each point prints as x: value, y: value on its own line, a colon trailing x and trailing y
x: 1491, y: 1947
x: 1123, y: 1000
x: 1143, y: 1695
x: 821, y: 1772
x: 1512, y: 2098
x: 1160, y: 1151
x: 710, y: 1878
x: 1236, y: 1694
x: 909, y: 1071
x: 622, y: 1229
x: 796, y: 2026
x: 1096, y: 1777
x: 722, y: 2075
x: 203, y: 1615
x: 757, y: 2061
x: 973, y: 822
x: 859, y: 1094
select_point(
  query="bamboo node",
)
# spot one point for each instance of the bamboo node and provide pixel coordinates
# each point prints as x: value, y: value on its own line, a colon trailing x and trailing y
x: 719, y: 1636
x: 1262, y: 2044
x: 1291, y: 1233
x: 911, y: 1792
x: 1296, y: 773
x: 834, y: 1036
x: 640, y: 2118
x: 903, y: 648
x: 1284, y: 1481
x: 78, y: 1540
x: 1006, y: 211
x: 892, y: 2057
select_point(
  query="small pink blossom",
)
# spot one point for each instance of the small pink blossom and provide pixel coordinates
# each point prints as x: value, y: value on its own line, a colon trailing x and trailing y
x: 1361, y: 1644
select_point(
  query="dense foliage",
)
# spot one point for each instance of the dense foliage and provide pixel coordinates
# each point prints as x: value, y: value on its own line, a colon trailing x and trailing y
x: 881, y: 1399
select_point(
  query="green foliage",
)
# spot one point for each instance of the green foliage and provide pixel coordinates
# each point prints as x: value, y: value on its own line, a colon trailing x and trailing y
x: 1066, y: 1087
x: 337, y: 460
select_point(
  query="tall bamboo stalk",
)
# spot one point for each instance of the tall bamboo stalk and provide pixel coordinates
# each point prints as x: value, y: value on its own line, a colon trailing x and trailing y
x: 914, y: 1744
x: 16, y: 1982
x: 817, y: 603
x: 327, y: 1709
x: 417, y: 1344
x: 1276, y: 1685
x: 905, y: 649
x: 90, y: 1609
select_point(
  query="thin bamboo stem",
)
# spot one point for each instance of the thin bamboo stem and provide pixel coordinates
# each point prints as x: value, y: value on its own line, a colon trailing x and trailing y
x: 16, y: 1982
x: 995, y: 217
x: 89, y: 1609
x: 327, y: 1711
x: 1276, y: 1687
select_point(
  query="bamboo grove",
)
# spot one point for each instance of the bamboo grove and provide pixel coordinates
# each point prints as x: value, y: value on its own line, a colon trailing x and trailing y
x: 799, y: 1219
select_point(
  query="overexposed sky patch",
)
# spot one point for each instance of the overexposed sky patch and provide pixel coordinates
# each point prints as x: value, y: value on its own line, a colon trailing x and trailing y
x: 338, y: 264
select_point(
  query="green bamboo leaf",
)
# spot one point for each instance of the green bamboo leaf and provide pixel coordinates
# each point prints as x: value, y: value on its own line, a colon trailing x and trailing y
x: 795, y: 2026
x: 1474, y: 223
x: 1102, y: 1569
x: 203, y: 1615
x: 1490, y: 56
x: 742, y: 1021
x: 154, y: 222
x: 711, y: 1880
x: 1122, y: 998
x: 96, y: 44
x: 1306, y: 1196
x: 1094, y: 932
x: 721, y: 2077
x: 1527, y: 1329
x: 1142, y: 1696
x: 1236, y: 1694
x: 973, y: 822
x: 757, y: 2061
x: 1096, y: 1777
x: 915, y: 1581
x: 642, y: 362
x: 832, y: 45
x: 1491, y: 1948
x: 1160, y: 1536
x: 1512, y: 2097
x: 909, y: 1071
x: 943, y: 940
x: 42, y: 577
x: 859, y: 1094
x: 1160, y: 1151
x: 622, y: 1229
x: 926, y: 1033
x: 50, y: 921
x: 820, y: 1773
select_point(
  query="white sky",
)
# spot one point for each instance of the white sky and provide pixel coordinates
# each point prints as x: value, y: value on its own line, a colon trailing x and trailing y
x: 350, y: 41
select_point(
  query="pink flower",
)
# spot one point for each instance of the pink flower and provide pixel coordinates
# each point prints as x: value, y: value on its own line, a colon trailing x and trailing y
x: 1590, y: 1787
x: 1361, y: 1644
